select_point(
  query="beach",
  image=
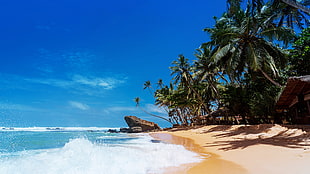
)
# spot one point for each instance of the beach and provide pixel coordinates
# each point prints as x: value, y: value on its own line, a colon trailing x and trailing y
x: 242, y: 149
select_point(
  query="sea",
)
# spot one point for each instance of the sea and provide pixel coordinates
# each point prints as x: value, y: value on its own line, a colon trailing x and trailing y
x: 86, y: 150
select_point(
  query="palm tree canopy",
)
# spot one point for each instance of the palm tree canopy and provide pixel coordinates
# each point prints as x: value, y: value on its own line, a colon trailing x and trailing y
x: 244, y: 43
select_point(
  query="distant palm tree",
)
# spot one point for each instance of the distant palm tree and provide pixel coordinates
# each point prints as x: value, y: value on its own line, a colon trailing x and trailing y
x: 160, y: 83
x: 183, y: 77
x: 147, y: 85
x: 206, y: 71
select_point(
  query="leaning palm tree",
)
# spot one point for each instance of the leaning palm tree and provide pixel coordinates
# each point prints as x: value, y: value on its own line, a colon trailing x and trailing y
x: 137, y: 100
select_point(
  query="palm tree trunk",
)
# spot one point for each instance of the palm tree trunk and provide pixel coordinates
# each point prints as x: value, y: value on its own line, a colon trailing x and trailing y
x: 198, y: 95
x: 270, y: 79
x: 137, y: 100
x: 156, y: 115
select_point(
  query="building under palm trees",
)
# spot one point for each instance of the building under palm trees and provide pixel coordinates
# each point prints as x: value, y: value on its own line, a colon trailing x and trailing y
x: 294, y: 101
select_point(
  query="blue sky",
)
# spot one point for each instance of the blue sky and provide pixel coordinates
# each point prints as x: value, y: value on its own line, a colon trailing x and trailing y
x: 82, y: 63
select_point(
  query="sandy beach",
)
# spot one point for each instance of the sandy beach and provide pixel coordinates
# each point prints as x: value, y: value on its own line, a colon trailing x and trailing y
x: 256, y: 149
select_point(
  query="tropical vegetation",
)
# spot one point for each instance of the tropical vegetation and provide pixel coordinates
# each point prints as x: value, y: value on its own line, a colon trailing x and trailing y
x: 237, y: 75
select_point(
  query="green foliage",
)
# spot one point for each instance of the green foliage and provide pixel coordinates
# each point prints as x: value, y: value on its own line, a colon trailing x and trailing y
x: 300, y: 55
x: 241, y: 67
x: 243, y: 43
x: 262, y: 99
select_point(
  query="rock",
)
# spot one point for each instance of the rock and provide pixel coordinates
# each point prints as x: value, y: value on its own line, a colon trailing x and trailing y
x: 133, y: 121
x: 124, y: 130
x: 112, y: 131
x: 135, y: 129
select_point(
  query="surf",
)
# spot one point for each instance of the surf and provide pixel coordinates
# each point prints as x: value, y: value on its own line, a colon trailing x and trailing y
x: 104, y: 153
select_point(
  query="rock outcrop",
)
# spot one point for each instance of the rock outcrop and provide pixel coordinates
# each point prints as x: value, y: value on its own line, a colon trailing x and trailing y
x: 138, y: 125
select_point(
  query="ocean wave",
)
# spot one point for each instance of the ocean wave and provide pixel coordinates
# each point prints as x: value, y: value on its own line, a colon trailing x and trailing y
x: 81, y: 156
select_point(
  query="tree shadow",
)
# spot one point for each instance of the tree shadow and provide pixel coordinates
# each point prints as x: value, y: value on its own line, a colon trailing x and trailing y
x: 245, y: 130
x: 253, y: 129
x: 183, y: 128
x: 282, y: 139
x: 218, y: 128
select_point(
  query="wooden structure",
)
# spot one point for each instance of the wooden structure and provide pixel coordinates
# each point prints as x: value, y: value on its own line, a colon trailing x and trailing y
x: 294, y: 101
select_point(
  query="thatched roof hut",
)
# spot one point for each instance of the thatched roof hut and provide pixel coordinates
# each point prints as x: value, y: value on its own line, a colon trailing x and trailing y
x: 295, y: 87
x: 295, y: 100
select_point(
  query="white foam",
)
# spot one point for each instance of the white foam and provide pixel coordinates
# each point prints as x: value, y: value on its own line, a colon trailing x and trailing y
x: 80, y: 156
x: 44, y: 129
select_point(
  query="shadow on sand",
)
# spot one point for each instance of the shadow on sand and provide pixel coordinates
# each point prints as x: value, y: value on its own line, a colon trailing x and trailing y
x: 246, y: 136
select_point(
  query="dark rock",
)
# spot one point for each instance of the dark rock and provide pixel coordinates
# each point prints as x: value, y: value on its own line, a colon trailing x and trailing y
x: 135, y: 129
x: 112, y: 131
x: 133, y: 121
x: 124, y: 130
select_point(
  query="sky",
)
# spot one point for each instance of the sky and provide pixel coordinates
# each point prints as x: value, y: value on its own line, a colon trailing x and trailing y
x: 82, y: 63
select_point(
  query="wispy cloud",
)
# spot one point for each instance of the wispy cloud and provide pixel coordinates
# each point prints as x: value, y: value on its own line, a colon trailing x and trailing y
x: 155, y: 109
x: 79, y: 105
x: 120, y: 109
x: 82, y: 84
x: 17, y: 107
x: 105, y: 83
x: 78, y: 84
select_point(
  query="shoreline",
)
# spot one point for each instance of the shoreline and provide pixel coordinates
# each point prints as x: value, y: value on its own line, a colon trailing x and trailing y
x: 243, y: 149
x: 209, y: 162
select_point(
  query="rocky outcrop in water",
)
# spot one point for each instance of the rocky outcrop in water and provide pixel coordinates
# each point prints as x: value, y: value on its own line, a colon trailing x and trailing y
x: 137, y: 125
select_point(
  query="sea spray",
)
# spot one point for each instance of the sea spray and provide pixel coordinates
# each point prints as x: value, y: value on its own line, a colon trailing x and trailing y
x: 98, y: 153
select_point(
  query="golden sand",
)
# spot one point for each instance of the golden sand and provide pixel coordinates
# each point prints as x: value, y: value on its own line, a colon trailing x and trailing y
x: 259, y: 149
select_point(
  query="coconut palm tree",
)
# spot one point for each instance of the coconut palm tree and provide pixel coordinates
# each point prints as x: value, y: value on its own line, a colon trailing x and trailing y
x: 244, y: 44
x: 160, y: 83
x: 206, y: 71
x: 289, y: 13
x: 148, y: 85
x: 176, y: 101
x: 183, y: 77
x: 301, y: 5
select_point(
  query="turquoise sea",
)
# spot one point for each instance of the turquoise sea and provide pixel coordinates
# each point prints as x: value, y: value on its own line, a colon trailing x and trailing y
x: 80, y: 150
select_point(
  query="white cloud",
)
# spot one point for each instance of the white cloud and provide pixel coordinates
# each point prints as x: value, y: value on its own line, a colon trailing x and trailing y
x: 79, y: 105
x: 82, y: 84
x: 105, y: 83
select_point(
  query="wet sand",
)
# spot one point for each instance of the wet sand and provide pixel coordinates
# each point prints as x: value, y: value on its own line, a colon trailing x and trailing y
x: 210, y: 162
x: 244, y: 149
